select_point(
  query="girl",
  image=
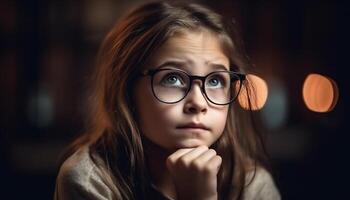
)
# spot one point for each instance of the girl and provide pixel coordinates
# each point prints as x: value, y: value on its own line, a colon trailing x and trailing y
x: 165, y: 123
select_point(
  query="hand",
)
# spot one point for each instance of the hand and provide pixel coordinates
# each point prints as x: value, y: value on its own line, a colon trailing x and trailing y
x: 194, y: 172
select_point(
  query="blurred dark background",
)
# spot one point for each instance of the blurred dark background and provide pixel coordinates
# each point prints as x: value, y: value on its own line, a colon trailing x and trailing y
x: 48, y: 49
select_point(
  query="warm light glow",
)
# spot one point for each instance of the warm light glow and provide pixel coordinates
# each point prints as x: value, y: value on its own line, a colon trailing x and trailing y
x: 320, y: 93
x: 257, y: 90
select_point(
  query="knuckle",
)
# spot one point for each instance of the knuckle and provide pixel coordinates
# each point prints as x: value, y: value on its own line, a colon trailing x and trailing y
x: 170, y: 160
x: 196, y: 165
x: 170, y: 163
x: 218, y: 158
x: 182, y: 162
x: 212, y: 166
x: 212, y: 151
x: 207, y: 169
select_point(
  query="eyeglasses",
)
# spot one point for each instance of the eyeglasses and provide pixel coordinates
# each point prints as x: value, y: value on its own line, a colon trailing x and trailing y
x: 172, y: 85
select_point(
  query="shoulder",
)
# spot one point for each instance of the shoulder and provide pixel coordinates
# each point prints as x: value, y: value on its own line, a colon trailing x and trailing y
x: 260, y: 185
x: 80, y: 178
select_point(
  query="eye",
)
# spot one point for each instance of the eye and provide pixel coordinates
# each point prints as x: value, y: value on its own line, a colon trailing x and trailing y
x: 215, y: 82
x: 172, y: 79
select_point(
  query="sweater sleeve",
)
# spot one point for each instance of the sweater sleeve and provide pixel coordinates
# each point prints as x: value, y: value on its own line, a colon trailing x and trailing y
x: 79, y: 179
x: 261, y: 187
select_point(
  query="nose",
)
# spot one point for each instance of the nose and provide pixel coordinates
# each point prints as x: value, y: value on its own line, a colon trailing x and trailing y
x: 195, y: 101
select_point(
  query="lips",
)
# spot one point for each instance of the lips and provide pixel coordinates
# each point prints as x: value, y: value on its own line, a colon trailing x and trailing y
x: 193, y: 126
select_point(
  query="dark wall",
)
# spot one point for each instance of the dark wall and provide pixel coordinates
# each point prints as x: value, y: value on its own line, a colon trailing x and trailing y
x: 48, y: 49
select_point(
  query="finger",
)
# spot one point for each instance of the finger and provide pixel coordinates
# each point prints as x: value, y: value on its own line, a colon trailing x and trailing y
x: 214, y: 164
x: 206, y: 156
x: 176, y: 155
x: 188, y: 157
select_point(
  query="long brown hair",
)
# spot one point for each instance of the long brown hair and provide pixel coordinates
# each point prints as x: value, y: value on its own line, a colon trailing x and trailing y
x: 113, y: 135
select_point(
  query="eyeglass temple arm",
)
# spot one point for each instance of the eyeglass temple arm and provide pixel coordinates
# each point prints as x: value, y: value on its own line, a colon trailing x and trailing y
x: 242, y: 76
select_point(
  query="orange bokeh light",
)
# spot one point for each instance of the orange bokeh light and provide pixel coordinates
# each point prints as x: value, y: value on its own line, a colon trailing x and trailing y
x: 257, y: 91
x: 320, y: 93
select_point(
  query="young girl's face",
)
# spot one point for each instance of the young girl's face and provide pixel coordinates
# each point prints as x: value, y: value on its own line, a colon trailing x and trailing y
x: 194, y: 120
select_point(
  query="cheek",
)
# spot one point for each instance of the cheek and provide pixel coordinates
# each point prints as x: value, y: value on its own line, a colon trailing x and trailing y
x: 159, y: 116
x: 218, y: 119
x: 154, y: 116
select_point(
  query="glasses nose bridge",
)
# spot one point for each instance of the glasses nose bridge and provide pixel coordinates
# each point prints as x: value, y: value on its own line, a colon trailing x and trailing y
x: 201, y: 81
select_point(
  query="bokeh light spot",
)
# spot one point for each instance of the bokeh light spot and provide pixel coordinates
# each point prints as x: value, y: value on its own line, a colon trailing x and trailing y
x: 257, y: 91
x: 320, y: 93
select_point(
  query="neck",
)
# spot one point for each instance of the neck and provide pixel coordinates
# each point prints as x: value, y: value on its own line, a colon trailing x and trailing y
x: 156, y: 162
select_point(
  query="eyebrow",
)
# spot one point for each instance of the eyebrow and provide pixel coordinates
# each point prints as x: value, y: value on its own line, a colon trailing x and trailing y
x: 184, y: 65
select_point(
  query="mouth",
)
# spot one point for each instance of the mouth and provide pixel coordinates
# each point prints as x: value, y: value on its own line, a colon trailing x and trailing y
x: 193, y: 126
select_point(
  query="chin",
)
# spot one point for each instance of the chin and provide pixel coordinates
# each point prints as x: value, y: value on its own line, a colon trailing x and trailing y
x: 190, y: 143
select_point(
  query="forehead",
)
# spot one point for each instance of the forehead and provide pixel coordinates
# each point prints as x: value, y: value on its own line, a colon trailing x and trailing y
x: 196, y: 48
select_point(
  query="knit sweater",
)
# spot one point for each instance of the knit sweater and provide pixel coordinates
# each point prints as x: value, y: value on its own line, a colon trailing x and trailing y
x: 79, y: 178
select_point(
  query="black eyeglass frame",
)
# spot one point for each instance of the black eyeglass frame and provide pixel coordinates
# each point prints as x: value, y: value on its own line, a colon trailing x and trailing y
x: 153, y: 72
